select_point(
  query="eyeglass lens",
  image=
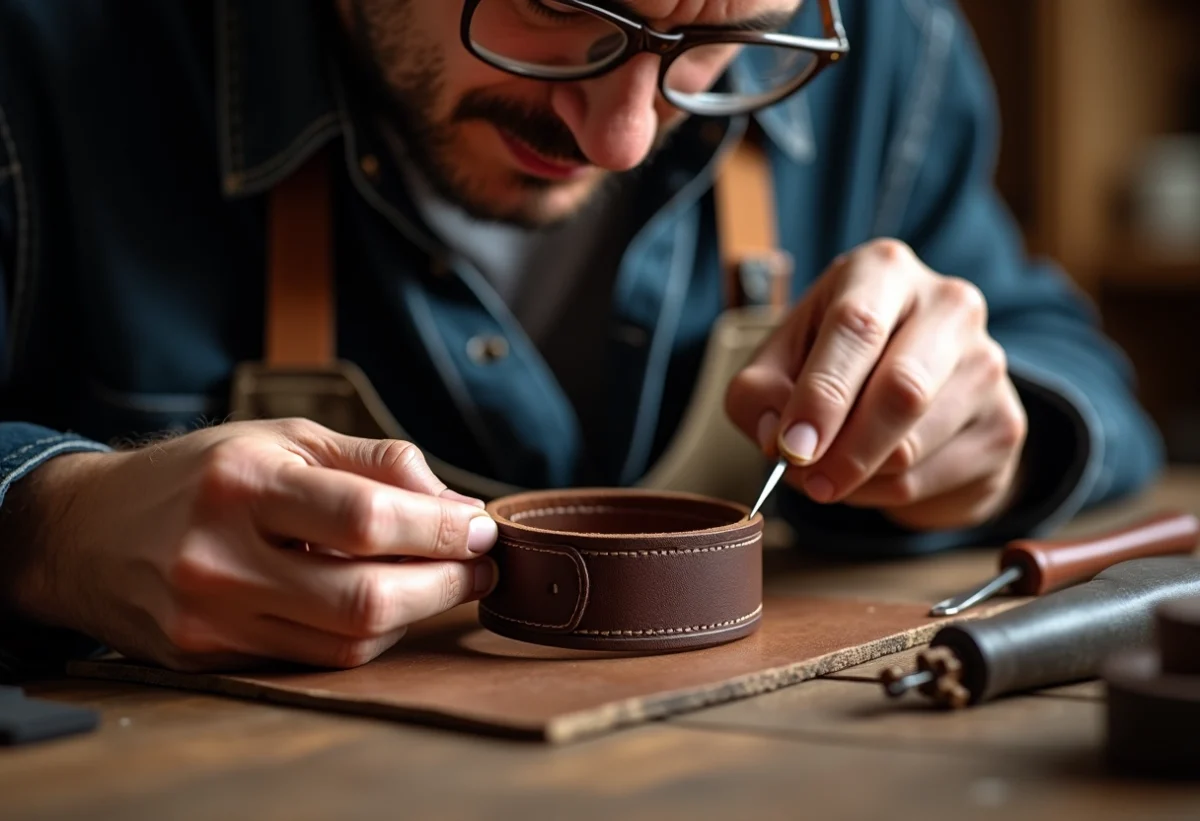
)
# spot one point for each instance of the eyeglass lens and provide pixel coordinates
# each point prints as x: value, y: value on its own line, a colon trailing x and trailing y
x: 555, y: 41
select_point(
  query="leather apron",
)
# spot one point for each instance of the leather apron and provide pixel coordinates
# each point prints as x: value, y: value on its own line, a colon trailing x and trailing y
x: 301, y: 375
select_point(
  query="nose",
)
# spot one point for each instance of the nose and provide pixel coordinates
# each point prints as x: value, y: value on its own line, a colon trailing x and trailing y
x: 614, y: 117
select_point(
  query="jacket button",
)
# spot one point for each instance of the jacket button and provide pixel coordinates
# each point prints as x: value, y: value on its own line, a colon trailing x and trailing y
x: 370, y: 167
x: 484, y: 350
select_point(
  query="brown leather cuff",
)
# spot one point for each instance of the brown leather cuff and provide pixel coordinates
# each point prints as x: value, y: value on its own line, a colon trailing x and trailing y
x: 624, y: 570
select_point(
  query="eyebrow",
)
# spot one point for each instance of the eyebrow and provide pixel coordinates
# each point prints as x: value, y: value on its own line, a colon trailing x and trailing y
x: 763, y: 21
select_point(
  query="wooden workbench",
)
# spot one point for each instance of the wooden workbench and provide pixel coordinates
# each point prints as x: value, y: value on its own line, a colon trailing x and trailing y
x: 830, y: 748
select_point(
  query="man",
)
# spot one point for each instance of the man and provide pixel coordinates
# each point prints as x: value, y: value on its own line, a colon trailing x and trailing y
x: 527, y: 273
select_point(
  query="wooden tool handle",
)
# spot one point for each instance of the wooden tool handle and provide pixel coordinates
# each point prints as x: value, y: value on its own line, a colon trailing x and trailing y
x: 1053, y: 564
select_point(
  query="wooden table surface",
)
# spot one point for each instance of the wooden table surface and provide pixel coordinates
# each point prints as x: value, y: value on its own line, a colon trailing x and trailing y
x: 830, y: 748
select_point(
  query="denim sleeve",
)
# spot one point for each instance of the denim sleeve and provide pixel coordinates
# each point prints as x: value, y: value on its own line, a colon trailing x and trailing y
x: 24, y: 647
x: 1089, y: 439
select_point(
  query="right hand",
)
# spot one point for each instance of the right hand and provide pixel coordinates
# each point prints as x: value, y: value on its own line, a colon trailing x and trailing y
x: 191, y: 552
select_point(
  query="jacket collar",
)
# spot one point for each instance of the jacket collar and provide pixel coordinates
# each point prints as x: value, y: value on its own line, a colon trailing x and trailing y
x: 276, y: 104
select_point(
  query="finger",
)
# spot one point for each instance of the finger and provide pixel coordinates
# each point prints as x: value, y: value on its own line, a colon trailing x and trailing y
x: 954, y: 408
x: 852, y: 335
x: 285, y: 640
x: 361, y: 517
x: 758, y: 393
x: 246, y: 640
x: 390, y: 461
x: 985, y: 451
x: 908, y: 382
x: 369, y: 599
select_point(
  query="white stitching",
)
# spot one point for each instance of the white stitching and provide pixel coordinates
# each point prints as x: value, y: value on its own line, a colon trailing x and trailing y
x: 312, y: 132
x: 24, y: 251
x: 908, y: 147
x: 667, y: 631
x: 591, y: 510
x: 580, y: 600
x: 636, y: 554
x: 39, y: 443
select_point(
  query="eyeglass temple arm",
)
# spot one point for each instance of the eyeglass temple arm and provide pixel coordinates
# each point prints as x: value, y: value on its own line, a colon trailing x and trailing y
x: 831, y: 17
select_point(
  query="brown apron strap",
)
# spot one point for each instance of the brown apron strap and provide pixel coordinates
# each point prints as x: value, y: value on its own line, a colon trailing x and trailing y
x: 755, y: 269
x: 300, y: 304
x: 300, y: 311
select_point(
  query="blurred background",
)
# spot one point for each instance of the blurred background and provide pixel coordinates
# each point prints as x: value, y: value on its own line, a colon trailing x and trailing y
x: 1100, y: 163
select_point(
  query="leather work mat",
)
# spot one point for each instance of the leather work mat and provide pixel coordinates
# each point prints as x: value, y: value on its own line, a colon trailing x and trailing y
x: 449, y: 671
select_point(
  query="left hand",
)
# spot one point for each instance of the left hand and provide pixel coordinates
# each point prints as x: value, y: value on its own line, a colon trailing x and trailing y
x: 884, y: 390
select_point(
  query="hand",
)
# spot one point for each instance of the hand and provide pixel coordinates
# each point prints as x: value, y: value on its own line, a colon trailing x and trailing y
x: 192, y: 552
x: 884, y: 390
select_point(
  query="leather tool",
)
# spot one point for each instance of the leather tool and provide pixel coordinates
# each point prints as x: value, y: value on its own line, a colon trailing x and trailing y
x: 1063, y: 637
x: 772, y: 481
x: 615, y: 569
x: 1152, y: 715
x: 1032, y: 567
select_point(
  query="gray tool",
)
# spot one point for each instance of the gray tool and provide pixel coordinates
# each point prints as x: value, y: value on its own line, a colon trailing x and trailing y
x: 1059, y: 638
x: 772, y: 481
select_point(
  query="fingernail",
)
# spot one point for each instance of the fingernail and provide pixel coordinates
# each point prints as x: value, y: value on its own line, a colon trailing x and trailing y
x: 487, y: 573
x: 481, y: 535
x: 819, y: 488
x: 768, y: 428
x: 455, y: 496
x: 799, y: 443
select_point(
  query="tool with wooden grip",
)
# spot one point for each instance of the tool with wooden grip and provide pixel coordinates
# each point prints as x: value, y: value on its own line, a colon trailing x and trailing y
x: 1063, y: 637
x: 1033, y: 567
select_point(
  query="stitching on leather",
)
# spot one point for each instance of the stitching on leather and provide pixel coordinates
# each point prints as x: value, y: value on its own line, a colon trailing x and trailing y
x: 681, y: 552
x: 580, y: 600
x: 668, y: 631
x: 590, y: 510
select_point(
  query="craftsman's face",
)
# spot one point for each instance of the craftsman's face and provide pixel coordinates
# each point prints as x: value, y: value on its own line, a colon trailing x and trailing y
x: 515, y: 149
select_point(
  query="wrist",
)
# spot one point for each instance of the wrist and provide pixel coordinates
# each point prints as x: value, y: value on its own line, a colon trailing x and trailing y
x: 40, y: 525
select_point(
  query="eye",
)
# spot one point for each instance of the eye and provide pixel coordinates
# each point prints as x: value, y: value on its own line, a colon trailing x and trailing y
x: 551, y: 10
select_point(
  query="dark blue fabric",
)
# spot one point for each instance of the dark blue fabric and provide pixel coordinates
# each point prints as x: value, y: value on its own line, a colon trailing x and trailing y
x: 140, y: 136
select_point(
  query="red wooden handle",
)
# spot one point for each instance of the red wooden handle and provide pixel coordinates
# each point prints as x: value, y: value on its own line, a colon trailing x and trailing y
x: 1053, y: 564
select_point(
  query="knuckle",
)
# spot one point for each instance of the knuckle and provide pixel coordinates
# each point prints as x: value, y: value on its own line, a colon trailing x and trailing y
x: 367, y: 516
x: 850, y: 471
x: 859, y: 324
x: 369, y: 609
x: 830, y: 389
x: 1011, y: 430
x: 453, y: 588
x: 400, y: 457
x: 906, y: 389
x: 228, y: 470
x: 188, y: 635
x: 905, y: 456
x: 965, y: 296
x: 449, y: 535
x: 995, y: 361
x: 892, y: 250
x: 354, y: 653
x: 299, y: 428
x: 904, y: 490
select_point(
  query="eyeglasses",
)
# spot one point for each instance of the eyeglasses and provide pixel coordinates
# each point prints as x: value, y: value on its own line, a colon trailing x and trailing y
x: 572, y: 40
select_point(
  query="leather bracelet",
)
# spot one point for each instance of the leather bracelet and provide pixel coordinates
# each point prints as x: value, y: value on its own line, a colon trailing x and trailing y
x: 616, y: 569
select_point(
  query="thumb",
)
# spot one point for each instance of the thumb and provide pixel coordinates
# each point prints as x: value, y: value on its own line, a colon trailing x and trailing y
x: 389, y: 461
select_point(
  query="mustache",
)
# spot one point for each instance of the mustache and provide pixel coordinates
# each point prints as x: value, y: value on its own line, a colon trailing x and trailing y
x: 538, y: 128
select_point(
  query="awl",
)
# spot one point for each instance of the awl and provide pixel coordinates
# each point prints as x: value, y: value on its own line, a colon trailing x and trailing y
x: 1031, y: 567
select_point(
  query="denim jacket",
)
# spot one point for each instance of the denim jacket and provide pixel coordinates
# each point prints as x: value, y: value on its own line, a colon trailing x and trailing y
x: 139, y: 139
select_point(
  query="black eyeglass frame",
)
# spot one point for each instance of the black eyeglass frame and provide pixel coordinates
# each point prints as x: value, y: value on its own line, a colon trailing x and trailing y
x: 640, y: 38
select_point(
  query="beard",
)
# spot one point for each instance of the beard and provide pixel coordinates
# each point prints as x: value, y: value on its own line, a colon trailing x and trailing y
x: 402, y: 80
